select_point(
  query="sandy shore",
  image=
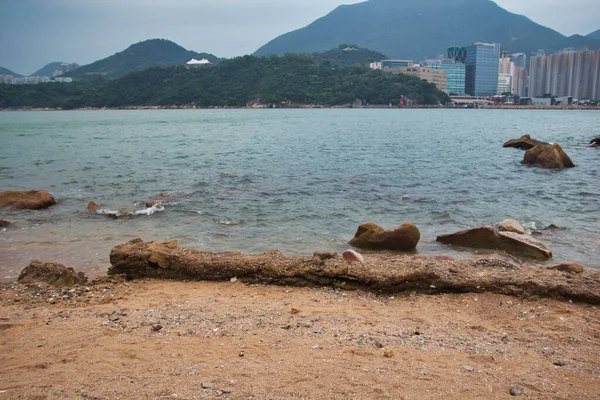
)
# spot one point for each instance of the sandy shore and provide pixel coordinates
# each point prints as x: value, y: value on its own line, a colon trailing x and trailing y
x: 200, y: 340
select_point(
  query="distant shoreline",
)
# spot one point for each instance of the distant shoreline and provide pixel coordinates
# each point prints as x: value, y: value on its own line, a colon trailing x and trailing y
x: 308, y: 106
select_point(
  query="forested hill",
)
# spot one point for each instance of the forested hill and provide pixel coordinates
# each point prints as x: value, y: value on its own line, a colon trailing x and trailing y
x: 349, y: 54
x: 138, y: 56
x: 417, y: 30
x: 6, y: 71
x: 294, y: 78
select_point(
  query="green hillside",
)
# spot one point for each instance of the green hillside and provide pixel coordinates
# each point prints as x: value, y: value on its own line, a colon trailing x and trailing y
x: 5, y: 71
x: 295, y: 78
x: 346, y: 55
x: 422, y: 29
x: 149, y: 53
x: 47, y: 70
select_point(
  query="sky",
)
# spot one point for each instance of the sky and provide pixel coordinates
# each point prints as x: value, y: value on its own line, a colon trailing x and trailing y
x: 36, y: 32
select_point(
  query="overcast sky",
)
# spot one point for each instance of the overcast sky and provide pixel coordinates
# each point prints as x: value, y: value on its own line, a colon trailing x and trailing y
x: 36, y: 32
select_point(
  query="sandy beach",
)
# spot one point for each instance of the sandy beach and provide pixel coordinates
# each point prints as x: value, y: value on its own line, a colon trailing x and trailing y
x: 151, y: 338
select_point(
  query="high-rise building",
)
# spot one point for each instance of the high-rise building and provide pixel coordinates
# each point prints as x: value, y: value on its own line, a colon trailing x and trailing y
x: 455, y: 74
x: 432, y: 75
x: 458, y: 54
x: 519, y: 59
x: 568, y: 73
x: 519, y: 81
x: 481, y: 72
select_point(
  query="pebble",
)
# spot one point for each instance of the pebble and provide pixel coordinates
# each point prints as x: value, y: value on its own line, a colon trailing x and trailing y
x: 207, y: 385
x: 285, y: 326
x: 295, y: 310
x: 559, y: 363
x: 351, y: 256
x: 388, y: 353
x: 467, y: 367
x: 67, y: 360
x: 156, y: 327
x: 516, y: 390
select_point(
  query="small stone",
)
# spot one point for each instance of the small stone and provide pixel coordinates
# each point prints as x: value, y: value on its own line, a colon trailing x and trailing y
x: 241, y: 354
x: 559, y: 363
x: 378, y: 344
x: 467, y: 367
x: 295, y: 310
x: 156, y: 327
x: 207, y: 385
x: 67, y: 360
x: 233, y: 280
x: 388, y: 353
x: 516, y: 390
x: 302, y: 324
x: 352, y: 256
x: 285, y: 326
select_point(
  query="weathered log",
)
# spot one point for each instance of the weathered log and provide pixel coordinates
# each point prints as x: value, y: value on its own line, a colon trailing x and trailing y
x: 379, y: 273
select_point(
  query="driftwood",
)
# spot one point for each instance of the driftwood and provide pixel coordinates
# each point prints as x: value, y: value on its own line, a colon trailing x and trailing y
x: 380, y: 273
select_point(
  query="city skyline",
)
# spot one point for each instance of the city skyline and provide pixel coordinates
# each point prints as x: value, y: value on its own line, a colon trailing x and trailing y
x: 34, y: 32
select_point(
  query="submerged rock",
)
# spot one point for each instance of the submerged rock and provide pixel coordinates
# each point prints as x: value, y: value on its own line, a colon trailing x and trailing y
x: 488, y: 238
x: 4, y: 223
x: 92, y: 207
x: 371, y: 236
x: 547, y: 156
x: 51, y: 273
x: 26, y: 199
x: 525, y: 142
x: 382, y: 273
x: 595, y: 142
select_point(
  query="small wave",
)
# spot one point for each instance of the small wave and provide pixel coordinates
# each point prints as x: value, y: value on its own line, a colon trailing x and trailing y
x: 148, y: 211
x: 228, y: 222
x: 106, y: 211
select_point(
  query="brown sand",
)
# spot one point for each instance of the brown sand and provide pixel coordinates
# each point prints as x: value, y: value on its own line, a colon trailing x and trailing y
x: 239, y: 341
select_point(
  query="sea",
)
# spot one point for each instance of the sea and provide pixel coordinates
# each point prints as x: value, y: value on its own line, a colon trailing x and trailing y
x: 296, y: 180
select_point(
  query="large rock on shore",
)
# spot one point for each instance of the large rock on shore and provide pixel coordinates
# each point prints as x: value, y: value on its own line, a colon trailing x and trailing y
x: 371, y: 236
x: 26, y: 200
x: 487, y: 237
x: 379, y: 273
x: 51, y: 273
x: 547, y: 156
x: 525, y: 142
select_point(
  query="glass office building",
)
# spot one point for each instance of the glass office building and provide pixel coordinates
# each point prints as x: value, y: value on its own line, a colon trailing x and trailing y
x: 455, y: 75
x: 481, y: 72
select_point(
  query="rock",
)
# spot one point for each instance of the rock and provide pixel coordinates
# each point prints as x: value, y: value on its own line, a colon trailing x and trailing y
x: 559, y: 363
x: 525, y: 142
x: 388, y: 353
x: 511, y: 225
x: 153, y: 203
x: 295, y: 310
x: 156, y: 327
x: 572, y: 267
x: 51, y: 273
x: 92, y: 207
x: 26, y: 200
x: 486, y: 237
x: 595, y: 142
x: 4, y: 223
x: 352, y: 256
x: 516, y: 390
x: 467, y: 367
x: 325, y: 255
x: 370, y: 236
x: 382, y: 274
x: 207, y: 385
x: 547, y: 156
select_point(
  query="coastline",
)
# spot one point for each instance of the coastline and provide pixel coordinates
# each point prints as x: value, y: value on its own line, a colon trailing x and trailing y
x: 307, y: 106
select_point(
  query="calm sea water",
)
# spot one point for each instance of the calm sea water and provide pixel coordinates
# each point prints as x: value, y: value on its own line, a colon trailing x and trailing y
x: 293, y: 180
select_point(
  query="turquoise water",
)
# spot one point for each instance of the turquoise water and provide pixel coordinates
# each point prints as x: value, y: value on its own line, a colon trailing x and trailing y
x: 294, y: 180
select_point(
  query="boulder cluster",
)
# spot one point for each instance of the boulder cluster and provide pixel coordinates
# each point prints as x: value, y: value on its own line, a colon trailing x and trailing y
x: 541, y: 154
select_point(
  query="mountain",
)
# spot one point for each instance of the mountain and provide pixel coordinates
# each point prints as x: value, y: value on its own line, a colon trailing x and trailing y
x: 417, y: 30
x: 294, y: 78
x: 4, y: 71
x: 138, y: 56
x: 346, y: 55
x: 47, y: 70
x: 594, y: 35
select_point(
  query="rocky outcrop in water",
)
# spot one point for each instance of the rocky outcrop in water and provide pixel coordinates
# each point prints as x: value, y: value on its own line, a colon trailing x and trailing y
x: 525, y: 142
x: 26, y: 199
x: 511, y: 225
x: 51, y: 273
x: 595, y: 142
x: 379, y: 273
x: 4, y: 223
x: 371, y: 236
x: 487, y: 237
x: 547, y: 156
